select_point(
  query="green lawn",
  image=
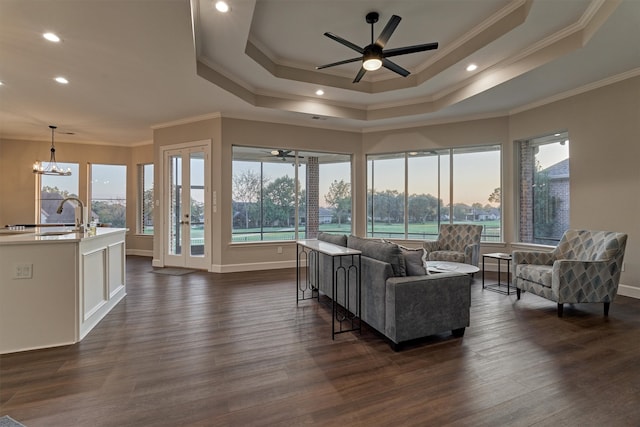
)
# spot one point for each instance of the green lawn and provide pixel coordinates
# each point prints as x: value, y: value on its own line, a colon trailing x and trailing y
x: 416, y: 231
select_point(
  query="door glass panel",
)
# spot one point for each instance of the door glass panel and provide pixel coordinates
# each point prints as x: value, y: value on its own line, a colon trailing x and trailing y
x: 175, y: 211
x: 196, y: 192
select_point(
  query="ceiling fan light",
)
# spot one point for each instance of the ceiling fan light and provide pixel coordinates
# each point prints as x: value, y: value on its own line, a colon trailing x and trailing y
x: 222, y: 6
x: 372, y: 64
x: 275, y: 152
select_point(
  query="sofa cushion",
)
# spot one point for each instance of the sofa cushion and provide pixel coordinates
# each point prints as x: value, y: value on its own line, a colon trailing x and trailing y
x: 414, y: 260
x: 382, y: 251
x: 336, y: 239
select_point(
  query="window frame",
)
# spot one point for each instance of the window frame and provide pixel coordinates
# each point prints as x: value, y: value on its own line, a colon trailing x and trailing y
x: 445, y: 191
x: 527, y: 170
x: 140, y: 207
x: 75, y: 167
x: 90, y: 192
x: 299, y: 160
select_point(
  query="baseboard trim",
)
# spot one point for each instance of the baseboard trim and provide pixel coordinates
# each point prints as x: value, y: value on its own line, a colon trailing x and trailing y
x: 157, y: 263
x: 140, y: 252
x: 234, y: 268
x: 629, y: 291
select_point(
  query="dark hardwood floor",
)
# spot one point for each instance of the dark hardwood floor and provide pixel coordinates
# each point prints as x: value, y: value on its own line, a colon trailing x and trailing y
x: 208, y: 349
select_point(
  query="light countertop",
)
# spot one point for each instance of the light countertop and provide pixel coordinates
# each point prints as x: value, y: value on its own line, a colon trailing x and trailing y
x: 51, y: 235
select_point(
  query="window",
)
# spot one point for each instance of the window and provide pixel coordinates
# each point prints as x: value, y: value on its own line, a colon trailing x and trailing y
x: 145, y: 199
x: 544, y: 188
x: 410, y: 194
x: 286, y: 194
x: 53, y: 189
x: 108, y: 192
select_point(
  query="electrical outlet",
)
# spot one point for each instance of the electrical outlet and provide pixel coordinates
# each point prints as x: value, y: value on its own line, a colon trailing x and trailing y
x: 622, y: 266
x: 22, y: 271
x: 279, y: 249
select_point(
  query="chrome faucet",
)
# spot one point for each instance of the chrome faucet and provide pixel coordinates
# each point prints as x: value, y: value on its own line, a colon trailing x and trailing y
x: 79, y: 221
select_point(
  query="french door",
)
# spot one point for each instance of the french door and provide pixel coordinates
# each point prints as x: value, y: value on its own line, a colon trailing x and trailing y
x: 186, y: 211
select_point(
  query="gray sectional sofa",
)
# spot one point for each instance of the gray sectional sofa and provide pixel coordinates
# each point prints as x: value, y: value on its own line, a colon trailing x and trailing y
x: 399, y: 299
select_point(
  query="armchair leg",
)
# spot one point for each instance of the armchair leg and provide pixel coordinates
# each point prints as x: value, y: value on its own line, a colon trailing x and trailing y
x: 606, y: 309
x: 560, y: 306
x: 518, y: 293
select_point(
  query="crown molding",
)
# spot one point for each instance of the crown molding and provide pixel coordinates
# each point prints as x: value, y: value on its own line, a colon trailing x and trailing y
x: 577, y: 91
x: 186, y: 120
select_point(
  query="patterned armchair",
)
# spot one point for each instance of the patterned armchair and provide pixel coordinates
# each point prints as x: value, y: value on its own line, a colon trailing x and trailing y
x: 584, y: 267
x: 456, y: 243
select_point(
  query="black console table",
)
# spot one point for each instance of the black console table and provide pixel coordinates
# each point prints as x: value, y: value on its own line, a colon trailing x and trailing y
x: 346, y: 264
x: 497, y: 287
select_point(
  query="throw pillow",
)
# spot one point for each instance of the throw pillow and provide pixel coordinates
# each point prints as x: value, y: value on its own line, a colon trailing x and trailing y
x: 386, y: 252
x: 414, y: 260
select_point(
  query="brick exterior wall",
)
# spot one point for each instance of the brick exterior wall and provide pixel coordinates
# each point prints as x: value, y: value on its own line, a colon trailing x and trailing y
x: 527, y: 164
x: 558, y: 193
x: 313, y: 197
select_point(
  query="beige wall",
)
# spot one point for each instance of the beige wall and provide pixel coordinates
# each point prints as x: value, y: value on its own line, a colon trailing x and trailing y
x: 603, y: 126
x: 604, y: 130
x: 18, y: 189
x: 205, y: 132
x: 270, y: 136
x: 459, y: 134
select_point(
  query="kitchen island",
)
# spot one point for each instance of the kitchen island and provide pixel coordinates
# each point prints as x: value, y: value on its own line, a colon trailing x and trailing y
x: 57, y: 284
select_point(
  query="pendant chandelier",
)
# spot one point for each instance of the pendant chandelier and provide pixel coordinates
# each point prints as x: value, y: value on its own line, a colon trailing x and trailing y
x: 52, y: 168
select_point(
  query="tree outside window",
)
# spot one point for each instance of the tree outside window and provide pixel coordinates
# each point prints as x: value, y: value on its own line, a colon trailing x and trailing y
x: 52, y: 190
x: 408, y: 193
x: 108, y: 195
x: 290, y: 195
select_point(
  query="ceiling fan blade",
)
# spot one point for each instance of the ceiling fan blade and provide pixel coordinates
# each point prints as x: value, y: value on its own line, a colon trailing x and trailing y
x: 359, y: 75
x: 409, y: 49
x: 384, y: 36
x: 333, y: 64
x: 347, y: 43
x: 394, y: 67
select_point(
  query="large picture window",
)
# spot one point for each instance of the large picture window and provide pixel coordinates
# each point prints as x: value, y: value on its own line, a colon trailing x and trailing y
x: 108, y: 195
x: 544, y: 188
x: 53, y: 189
x: 281, y: 194
x: 410, y: 194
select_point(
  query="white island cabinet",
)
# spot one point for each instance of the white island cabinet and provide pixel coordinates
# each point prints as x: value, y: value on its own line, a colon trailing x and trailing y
x: 56, y: 285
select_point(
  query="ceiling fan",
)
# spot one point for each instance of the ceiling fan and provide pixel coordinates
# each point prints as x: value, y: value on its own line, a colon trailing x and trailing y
x: 373, y: 55
x: 284, y: 154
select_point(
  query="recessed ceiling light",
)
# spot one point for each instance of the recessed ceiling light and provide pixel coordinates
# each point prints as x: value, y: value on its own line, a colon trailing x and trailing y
x: 51, y: 37
x: 61, y: 80
x: 1, y: 83
x: 222, y: 6
x: 472, y: 67
x: 319, y: 92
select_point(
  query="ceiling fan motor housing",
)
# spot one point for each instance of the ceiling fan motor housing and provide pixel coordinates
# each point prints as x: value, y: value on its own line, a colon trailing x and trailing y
x: 372, y: 17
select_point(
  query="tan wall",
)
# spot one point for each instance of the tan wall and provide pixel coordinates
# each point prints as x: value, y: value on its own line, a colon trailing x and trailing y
x: 18, y: 189
x: 459, y: 134
x: 271, y: 136
x: 604, y: 127
x: 208, y: 132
